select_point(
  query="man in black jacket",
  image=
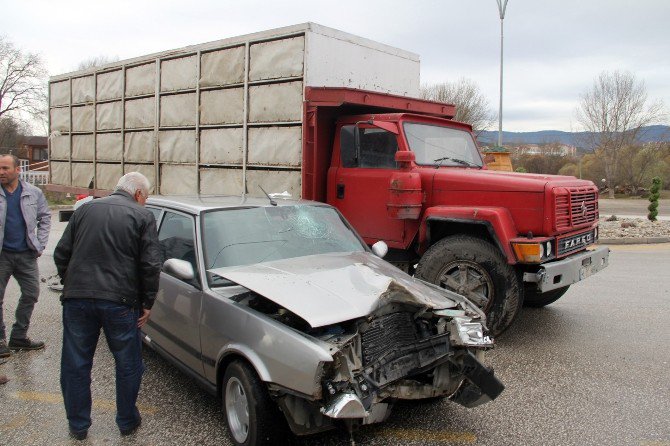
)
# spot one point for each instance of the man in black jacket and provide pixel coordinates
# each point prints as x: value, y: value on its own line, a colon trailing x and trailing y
x: 109, y: 261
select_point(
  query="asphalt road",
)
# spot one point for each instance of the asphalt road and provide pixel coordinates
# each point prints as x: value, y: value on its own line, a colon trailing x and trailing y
x: 593, y: 368
x: 632, y: 207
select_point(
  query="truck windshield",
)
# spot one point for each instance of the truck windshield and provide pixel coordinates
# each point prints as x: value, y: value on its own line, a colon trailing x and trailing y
x: 236, y: 237
x: 441, y: 146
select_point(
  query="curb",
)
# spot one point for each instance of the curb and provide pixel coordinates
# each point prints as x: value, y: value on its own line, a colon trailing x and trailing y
x: 633, y: 240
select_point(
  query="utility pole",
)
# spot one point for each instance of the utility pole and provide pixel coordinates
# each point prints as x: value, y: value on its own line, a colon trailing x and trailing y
x: 502, y: 6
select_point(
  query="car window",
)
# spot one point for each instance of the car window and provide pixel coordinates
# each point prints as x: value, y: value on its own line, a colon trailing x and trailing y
x: 176, y: 238
x: 156, y: 212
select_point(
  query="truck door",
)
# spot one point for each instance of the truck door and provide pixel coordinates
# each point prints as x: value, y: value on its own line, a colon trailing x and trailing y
x: 359, y: 184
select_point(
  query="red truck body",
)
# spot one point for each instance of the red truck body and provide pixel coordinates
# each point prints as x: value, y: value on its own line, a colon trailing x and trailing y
x: 413, y: 206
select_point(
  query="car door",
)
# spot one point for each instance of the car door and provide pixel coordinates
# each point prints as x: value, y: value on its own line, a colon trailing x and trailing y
x: 174, y: 324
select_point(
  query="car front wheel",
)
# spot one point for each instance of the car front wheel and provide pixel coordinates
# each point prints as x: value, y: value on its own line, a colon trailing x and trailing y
x: 252, y: 417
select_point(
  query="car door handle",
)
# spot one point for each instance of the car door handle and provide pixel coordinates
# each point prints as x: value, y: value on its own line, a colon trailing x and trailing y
x: 340, y: 191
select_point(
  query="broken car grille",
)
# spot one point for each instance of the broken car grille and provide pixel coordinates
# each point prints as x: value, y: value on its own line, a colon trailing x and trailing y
x: 386, y: 334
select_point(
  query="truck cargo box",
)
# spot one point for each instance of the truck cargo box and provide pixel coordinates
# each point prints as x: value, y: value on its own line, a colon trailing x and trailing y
x: 215, y: 118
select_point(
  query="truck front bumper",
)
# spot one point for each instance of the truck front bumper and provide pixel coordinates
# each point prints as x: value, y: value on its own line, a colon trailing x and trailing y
x: 570, y: 270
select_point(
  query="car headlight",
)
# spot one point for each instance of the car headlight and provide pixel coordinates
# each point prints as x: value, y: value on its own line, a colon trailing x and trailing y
x: 466, y: 332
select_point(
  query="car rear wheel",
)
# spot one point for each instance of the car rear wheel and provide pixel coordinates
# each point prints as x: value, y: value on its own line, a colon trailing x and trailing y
x: 535, y: 299
x: 252, y: 417
x: 477, y: 270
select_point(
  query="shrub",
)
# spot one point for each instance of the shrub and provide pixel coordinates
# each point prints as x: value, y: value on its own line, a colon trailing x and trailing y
x: 654, y: 194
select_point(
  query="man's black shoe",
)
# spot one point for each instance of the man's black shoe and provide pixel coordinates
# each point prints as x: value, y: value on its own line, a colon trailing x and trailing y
x: 78, y: 435
x: 25, y: 344
x: 131, y: 430
x: 4, y: 350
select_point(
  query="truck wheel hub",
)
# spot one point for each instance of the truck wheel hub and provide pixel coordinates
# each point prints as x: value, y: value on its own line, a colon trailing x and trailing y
x: 469, y: 279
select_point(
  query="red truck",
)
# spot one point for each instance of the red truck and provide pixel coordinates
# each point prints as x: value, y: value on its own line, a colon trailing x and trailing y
x: 415, y: 179
x: 400, y: 169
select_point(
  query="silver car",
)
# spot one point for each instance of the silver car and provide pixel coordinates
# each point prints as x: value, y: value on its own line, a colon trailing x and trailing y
x: 282, y: 311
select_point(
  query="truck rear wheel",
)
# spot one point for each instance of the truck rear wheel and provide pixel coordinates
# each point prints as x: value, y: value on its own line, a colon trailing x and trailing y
x: 477, y: 270
x: 535, y: 299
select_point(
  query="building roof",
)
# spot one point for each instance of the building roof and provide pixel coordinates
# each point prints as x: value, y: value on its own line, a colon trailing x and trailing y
x: 35, y: 141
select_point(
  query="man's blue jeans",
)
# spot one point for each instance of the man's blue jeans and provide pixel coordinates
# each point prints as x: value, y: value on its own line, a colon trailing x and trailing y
x: 82, y: 321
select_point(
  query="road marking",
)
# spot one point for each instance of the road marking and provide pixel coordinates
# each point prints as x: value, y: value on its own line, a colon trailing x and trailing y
x: 16, y: 422
x: 427, y: 435
x: 56, y: 398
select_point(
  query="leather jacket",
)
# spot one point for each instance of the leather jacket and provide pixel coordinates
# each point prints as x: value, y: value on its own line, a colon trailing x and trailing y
x: 110, y: 251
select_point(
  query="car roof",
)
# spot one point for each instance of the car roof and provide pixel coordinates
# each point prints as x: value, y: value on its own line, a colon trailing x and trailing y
x: 196, y: 204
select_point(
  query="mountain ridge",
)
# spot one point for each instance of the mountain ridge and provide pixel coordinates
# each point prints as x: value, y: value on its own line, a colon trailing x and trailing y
x: 652, y: 133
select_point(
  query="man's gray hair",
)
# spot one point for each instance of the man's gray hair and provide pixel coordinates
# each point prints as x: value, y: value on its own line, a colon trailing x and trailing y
x: 132, y: 182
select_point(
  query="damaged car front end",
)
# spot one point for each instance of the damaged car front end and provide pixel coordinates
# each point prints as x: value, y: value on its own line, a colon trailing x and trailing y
x: 391, y: 337
x: 299, y: 313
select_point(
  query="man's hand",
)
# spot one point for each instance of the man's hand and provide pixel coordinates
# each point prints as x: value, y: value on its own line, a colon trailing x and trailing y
x: 144, y: 318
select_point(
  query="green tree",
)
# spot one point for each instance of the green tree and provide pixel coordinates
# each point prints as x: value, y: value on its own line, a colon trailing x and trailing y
x: 654, y: 194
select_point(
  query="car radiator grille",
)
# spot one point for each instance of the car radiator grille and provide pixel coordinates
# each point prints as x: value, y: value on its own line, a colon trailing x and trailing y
x: 386, y: 334
x: 578, y: 207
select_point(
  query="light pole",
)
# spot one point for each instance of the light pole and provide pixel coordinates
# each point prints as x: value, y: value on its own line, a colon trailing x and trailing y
x: 502, y: 6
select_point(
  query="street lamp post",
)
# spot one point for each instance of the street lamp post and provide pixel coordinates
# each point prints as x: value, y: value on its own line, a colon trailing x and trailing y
x: 502, y: 6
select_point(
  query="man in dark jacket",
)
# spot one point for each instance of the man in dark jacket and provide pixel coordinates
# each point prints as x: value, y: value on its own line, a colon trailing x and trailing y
x: 109, y: 261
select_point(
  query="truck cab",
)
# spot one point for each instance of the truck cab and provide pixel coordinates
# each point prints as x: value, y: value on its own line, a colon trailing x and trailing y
x: 419, y: 183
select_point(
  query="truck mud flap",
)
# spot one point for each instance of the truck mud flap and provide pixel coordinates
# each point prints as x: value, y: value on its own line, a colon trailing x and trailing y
x: 479, y: 386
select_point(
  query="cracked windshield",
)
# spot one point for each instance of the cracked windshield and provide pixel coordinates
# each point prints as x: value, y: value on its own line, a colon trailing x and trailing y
x: 443, y: 146
x: 255, y: 235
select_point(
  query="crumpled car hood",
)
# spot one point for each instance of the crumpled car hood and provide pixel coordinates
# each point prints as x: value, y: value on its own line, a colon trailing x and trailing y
x: 326, y: 289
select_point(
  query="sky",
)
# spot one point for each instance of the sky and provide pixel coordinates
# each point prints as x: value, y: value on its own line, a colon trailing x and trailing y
x: 553, y: 50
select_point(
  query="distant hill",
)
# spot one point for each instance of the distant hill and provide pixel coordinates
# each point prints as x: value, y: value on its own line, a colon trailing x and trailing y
x: 649, y: 134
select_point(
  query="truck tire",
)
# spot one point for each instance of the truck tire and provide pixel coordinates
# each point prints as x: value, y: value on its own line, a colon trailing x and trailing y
x: 252, y: 417
x: 476, y: 269
x: 532, y: 298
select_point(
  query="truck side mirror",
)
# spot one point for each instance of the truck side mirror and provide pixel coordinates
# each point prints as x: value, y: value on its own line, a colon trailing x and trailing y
x: 404, y: 158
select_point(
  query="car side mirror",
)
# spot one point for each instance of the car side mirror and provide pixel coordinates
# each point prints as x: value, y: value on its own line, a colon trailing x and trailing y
x: 380, y: 249
x: 181, y: 269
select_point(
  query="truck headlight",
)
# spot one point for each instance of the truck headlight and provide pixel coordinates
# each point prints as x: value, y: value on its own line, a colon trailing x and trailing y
x: 533, y: 252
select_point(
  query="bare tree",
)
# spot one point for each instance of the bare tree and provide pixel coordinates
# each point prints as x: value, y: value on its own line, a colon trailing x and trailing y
x: 22, y: 81
x: 613, y: 113
x: 96, y: 61
x: 12, y: 132
x: 472, y: 107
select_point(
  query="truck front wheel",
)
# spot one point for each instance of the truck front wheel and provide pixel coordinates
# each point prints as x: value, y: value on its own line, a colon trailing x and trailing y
x: 477, y: 270
x: 535, y: 299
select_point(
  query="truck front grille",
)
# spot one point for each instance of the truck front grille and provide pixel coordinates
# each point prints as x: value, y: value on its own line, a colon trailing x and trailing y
x: 386, y: 334
x: 575, y: 208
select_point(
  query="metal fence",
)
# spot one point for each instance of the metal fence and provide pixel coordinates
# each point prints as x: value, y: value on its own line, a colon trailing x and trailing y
x: 34, y: 174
